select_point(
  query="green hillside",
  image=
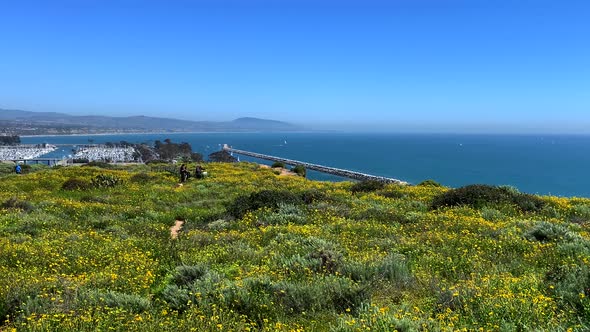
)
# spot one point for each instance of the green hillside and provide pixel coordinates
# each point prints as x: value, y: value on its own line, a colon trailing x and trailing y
x: 89, y: 248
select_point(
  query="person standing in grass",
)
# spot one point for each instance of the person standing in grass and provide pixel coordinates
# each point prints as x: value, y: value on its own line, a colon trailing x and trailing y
x: 199, y: 172
x: 18, y: 169
x: 183, y: 173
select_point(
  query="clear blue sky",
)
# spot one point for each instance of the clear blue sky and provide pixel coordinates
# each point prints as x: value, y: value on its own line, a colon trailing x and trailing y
x: 417, y: 65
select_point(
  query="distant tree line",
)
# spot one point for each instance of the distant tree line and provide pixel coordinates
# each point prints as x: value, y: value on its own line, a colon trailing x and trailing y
x: 9, y: 140
x: 222, y: 157
x: 168, y: 150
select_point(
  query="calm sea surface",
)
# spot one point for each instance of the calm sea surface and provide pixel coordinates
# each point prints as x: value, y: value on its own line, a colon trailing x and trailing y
x: 556, y: 165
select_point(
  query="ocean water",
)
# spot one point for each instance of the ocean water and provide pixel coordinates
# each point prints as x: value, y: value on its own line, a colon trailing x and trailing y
x: 543, y: 164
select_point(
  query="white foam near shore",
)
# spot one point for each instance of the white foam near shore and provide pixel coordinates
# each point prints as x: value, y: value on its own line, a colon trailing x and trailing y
x: 24, y: 152
x: 109, y: 154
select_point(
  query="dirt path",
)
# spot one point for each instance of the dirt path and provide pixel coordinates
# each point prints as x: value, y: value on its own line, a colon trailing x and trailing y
x: 176, y: 228
x: 284, y: 171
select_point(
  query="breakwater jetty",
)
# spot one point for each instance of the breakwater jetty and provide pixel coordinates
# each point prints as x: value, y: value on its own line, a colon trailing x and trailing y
x: 320, y: 168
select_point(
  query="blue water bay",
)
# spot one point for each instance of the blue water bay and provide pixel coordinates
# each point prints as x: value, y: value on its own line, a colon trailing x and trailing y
x: 543, y: 164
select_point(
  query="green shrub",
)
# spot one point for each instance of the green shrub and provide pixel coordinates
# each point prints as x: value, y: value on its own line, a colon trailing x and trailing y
x: 278, y: 164
x: 32, y: 227
x: 395, y: 194
x: 480, y: 195
x: 359, y: 272
x: 141, y: 178
x: 218, y: 225
x: 571, y: 287
x: 185, y: 276
x: 253, y: 298
x: 304, y: 256
x: 577, y: 248
x: 580, y: 214
x: 157, y: 161
x: 99, y: 164
x: 313, y: 195
x: 477, y: 195
x: 297, y: 266
x: 101, y: 222
x: 547, y: 232
x: 528, y: 202
x: 12, y: 300
x: 191, y: 285
x: 206, y: 290
x: 344, y: 294
x: 26, y: 168
x: 266, y: 198
x: 394, y: 268
x: 75, y: 184
x: 93, y: 199
x: 177, y: 298
x: 300, y: 170
x: 367, y: 186
x: 411, y: 217
x: 130, y: 302
x: 295, y: 298
x: 510, y: 189
x: 106, y: 181
x: 285, y: 214
x: 429, y: 183
x: 491, y: 214
x: 326, y: 260
x: 222, y: 157
x: 15, y: 203
x: 370, y: 318
x: 551, y: 212
x: 453, y: 299
x: 196, y: 157
x: 35, y: 305
x: 6, y: 168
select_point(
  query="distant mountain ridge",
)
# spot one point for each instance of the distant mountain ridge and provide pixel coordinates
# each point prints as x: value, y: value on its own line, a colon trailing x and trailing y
x: 138, y: 123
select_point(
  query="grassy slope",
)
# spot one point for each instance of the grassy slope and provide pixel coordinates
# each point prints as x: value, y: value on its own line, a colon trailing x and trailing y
x: 103, y: 258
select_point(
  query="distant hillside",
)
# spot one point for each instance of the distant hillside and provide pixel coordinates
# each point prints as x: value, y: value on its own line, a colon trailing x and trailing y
x: 261, y: 124
x: 25, y: 122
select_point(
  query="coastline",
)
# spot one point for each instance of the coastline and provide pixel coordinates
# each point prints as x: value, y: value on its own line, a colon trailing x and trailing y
x: 555, y: 165
x: 178, y: 133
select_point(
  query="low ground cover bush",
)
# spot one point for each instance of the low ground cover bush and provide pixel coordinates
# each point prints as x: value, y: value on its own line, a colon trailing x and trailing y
x: 99, y: 164
x: 15, y: 203
x: 479, y: 195
x: 429, y: 183
x: 580, y: 214
x: 299, y: 170
x: 367, y: 186
x: 141, y: 178
x: 75, y: 184
x: 106, y: 181
x: 265, y: 198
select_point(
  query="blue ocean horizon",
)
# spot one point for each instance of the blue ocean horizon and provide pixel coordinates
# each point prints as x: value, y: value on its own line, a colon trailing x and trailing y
x: 539, y: 164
